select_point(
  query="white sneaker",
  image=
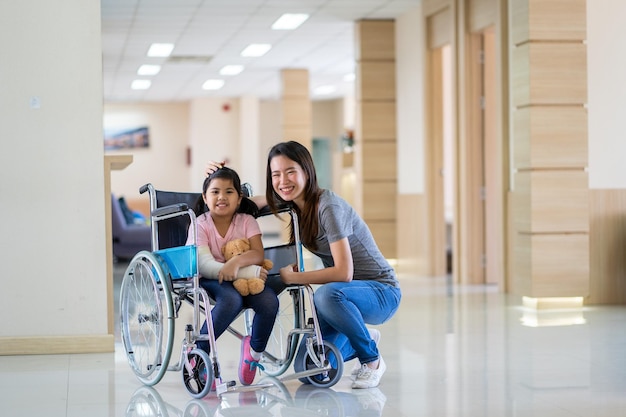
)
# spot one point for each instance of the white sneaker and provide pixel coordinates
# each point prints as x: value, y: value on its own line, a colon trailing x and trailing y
x: 368, y: 377
x: 375, y: 335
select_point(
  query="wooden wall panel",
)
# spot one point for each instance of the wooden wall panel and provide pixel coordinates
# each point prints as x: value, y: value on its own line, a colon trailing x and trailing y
x: 554, y: 201
x: 384, y: 232
x: 53, y: 345
x: 295, y: 83
x: 548, y: 20
x: 300, y: 134
x: 379, y: 200
x: 381, y: 159
x: 607, y: 241
x: 550, y: 137
x: 375, y: 130
x: 551, y: 265
x: 430, y: 7
x: 549, y: 92
x: 375, y: 44
x: 296, y: 106
x: 296, y: 111
x: 517, y: 281
x: 481, y: 14
x: 379, y: 120
x: 560, y: 265
x: 519, y: 21
x: 521, y: 279
x: 549, y: 73
x: 439, y: 29
x: 376, y: 81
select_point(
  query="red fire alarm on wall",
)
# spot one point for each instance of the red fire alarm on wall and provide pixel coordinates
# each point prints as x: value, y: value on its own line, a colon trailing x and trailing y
x: 225, y: 107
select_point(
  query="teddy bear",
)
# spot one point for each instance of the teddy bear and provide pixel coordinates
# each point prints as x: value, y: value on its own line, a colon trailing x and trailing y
x: 245, y: 286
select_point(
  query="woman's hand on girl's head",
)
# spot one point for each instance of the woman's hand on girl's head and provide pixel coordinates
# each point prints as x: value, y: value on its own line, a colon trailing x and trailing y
x: 213, y: 166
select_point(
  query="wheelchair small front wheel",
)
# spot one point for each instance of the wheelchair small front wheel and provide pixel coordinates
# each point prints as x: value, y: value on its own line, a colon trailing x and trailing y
x: 324, y: 379
x: 146, y: 318
x: 199, y: 381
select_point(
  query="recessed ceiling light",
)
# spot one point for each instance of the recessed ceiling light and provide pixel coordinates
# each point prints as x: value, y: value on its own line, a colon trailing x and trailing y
x: 256, y: 49
x: 160, y: 49
x: 213, y: 84
x: 290, y: 21
x: 140, y: 84
x: 148, y: 69
x: 231, y: 69
x: 323, y: 90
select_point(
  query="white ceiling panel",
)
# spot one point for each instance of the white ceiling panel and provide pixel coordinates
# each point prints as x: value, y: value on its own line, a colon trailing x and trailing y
x: 219, y: 30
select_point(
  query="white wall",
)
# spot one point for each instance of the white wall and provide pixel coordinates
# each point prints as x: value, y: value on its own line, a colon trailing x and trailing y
x: 410, y: 101
x: 606, y: 66
x: 164, y: 162
x: 214, y: 135
x: 52, y: 238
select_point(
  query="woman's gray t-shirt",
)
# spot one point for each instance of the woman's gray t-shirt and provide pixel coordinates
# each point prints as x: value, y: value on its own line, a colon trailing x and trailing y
x: 337, y: 219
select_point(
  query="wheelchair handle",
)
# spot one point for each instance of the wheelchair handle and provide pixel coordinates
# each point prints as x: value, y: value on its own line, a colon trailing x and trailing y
x: 173, y: 208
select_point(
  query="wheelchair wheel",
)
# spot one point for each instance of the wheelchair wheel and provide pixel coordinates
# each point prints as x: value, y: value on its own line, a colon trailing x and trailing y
x: 279, y: 353
x: 199, y: 381
x: 147, y: 318
x: 324, y: 379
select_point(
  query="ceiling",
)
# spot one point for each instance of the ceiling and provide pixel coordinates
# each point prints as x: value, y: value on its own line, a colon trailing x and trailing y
x: 209, y: 34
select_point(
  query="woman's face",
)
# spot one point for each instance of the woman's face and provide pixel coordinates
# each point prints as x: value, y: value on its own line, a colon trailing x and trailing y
x: 221, y: 197
x: 288, y: 179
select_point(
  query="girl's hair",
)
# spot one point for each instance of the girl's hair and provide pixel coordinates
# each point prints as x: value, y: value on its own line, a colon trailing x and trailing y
x: 246, y: 206
x: 307, y: 216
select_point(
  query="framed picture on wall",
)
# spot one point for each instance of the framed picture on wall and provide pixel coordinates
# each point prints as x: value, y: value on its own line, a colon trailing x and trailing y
x: 138, y: 137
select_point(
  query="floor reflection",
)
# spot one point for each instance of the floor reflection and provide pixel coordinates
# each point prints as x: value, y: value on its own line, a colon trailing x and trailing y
x: 277, y: 400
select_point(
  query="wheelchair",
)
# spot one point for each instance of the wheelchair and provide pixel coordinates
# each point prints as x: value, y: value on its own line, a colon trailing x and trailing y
x: 157, y: 283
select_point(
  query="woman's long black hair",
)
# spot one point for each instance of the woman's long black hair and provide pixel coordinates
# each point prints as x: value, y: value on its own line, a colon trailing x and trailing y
x: 308, y: 217
x: 246, y: 206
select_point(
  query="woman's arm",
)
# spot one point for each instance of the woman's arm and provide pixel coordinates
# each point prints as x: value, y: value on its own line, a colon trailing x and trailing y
x: 342, y: 271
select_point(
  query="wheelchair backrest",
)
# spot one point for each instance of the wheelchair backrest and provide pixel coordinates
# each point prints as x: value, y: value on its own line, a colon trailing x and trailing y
x: 173, y: 232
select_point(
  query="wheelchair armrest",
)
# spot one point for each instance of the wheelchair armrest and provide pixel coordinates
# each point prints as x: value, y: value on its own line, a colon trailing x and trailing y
x: 266, y: 211
x: 171, y: 209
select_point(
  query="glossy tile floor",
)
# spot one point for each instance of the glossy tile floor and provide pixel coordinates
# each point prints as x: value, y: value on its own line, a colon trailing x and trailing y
x: 450, y: 351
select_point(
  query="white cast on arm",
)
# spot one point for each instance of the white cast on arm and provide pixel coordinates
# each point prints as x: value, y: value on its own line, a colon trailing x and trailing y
x: 209, y: 267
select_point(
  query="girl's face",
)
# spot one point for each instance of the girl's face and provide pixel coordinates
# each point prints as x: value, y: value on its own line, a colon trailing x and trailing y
x: 221, y: 197
x: 288, y: 179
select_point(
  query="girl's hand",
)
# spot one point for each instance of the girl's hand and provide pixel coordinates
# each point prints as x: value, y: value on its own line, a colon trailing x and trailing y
x: 228, y: 272
x: 263, y: 274
x: 213, y: 166
x: 288, y: 273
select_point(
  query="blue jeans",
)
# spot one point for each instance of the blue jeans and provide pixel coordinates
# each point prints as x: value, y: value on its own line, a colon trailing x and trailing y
x: 228, y: 305
x: 343, y: 308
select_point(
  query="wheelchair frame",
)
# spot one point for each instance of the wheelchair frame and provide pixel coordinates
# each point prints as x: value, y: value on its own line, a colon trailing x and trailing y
x: 156, y: 284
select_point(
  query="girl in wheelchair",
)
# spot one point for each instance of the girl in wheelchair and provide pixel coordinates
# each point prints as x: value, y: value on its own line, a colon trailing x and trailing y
x: 224, y: 214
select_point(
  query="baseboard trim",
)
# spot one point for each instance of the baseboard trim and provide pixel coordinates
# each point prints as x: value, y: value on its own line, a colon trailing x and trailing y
x: 55, y: 345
